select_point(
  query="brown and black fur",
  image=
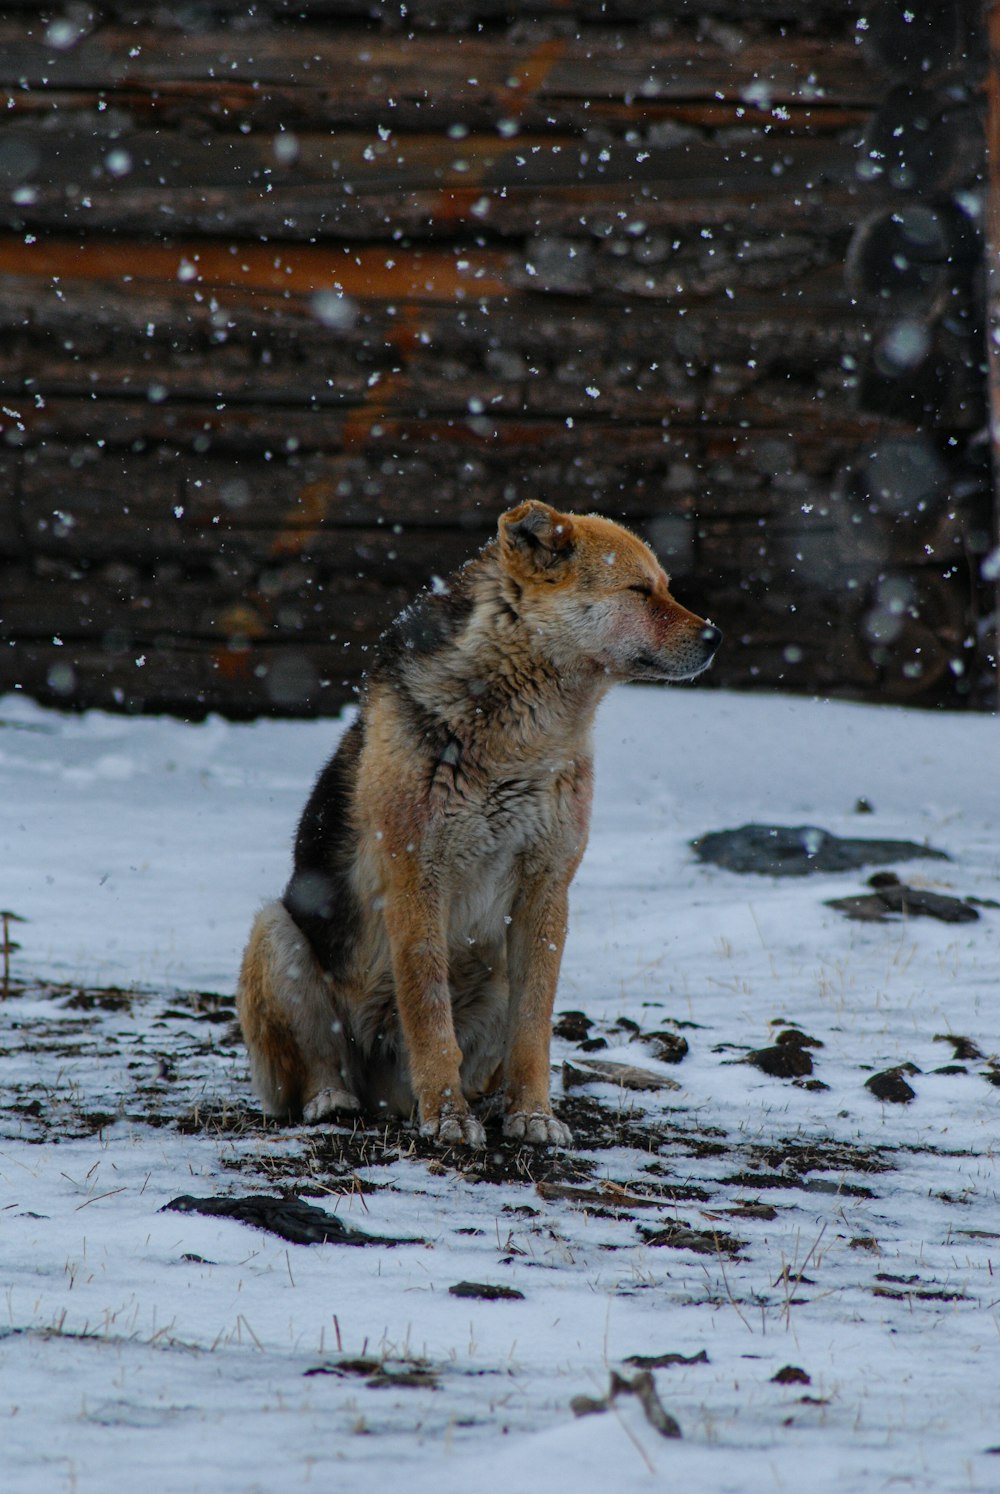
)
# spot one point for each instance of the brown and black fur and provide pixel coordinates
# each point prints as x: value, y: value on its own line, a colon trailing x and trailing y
x: 412, y: 961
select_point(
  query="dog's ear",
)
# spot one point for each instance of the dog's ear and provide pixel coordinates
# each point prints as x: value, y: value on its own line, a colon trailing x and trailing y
x: 535, y: 537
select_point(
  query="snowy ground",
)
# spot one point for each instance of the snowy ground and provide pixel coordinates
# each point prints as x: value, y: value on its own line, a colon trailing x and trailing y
x: 856, y: 1241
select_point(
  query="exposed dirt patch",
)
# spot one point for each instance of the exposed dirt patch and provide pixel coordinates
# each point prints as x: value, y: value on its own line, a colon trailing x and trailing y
x: 81, y: 1061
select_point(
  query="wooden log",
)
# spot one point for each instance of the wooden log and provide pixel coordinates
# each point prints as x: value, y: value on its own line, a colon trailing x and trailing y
x: 13, y: 542
x: 444, y: 79
x: 128, y: 607
x: 242, y: 683
x: 923, y: 140
x: 910, y: 256
x: 920, y: 42
x: 93, y: 500
x: 470, y: 15
x: 778, y: 647
x: 915, y: 631
x: 169, y: 348
x: 930, y: 374
x: 86, y: 158
x: 798, y: 266
x: 990, y: 572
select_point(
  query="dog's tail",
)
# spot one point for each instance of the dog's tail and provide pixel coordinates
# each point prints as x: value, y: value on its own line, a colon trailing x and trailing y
x: 281, y: 994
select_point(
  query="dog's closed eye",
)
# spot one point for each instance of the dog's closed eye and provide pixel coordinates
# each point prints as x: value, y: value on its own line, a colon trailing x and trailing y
x: 643, y: 591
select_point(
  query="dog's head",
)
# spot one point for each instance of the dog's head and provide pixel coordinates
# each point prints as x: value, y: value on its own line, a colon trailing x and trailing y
x: 590, y: 590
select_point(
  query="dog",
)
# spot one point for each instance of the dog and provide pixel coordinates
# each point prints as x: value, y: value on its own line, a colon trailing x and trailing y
x: 413, y: 958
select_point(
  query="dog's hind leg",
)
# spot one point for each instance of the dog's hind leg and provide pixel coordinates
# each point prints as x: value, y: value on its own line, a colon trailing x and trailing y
x: 299, y: 1047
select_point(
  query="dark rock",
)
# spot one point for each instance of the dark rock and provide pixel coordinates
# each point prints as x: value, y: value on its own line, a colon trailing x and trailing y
x: 573, y: 1026
x: 920, y: 900
x: 485, y: 1291
x: 883, y: 879
x: 665, y: 1361
x: 797, y: 1039
x: 896, y: 898
x: 964, y: 1047
x: 890, y: 1087
x: 592, y: 1045
x: 782, y: 1061
x: 295, y: 1221
x: 794, y: 851
x: 668, y: 1047
x: 791, y: 1375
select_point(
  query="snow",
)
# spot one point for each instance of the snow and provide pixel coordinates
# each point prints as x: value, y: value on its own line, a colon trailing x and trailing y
x: 173, y: 1349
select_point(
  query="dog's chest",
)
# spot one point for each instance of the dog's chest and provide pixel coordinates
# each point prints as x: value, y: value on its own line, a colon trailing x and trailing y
x: 520, y: 816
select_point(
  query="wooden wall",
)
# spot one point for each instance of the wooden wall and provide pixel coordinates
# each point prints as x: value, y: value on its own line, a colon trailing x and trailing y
x: 296, y: 298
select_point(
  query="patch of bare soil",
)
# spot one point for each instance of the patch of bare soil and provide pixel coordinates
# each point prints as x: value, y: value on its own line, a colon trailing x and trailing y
x: 75, y: 1062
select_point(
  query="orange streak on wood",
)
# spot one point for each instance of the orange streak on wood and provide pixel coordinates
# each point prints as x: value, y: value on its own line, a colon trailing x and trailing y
x: 533, y: 71
x: 232, y: 664
x: 454, y: 201
x: 364, y: 274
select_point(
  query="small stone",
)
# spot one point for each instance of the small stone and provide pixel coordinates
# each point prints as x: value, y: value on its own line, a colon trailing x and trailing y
x: 666, y: 1361
x: 781, y: 1061
x: 791, y: 1375
x: 965, y: 1048
x: 485, y: 1291
x: 668, y: 1047
x: 797, y: 1039
x: 890, y: 1087
x: 896, y: 898
x: 573, y: 1026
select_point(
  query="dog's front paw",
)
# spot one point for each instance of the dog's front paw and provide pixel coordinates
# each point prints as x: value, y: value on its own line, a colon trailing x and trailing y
x: 329, y: 1102
x: 538, y: 1127
x: 454, y: 1128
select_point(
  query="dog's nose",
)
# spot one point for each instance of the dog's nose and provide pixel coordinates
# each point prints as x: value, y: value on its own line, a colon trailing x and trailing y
x: 711, y: 635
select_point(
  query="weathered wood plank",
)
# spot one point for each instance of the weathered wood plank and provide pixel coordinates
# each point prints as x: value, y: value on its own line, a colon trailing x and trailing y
x: 79, y: 158
x: 593, y: 262
x: 815, y: 16
x: 172, y: 499
x: 187, y: 681
x: 432, y: 276
x: 125, y: 606
x: 441, y: 75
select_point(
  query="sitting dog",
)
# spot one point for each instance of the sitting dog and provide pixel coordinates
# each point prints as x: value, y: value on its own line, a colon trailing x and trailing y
x: 413, y: 959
